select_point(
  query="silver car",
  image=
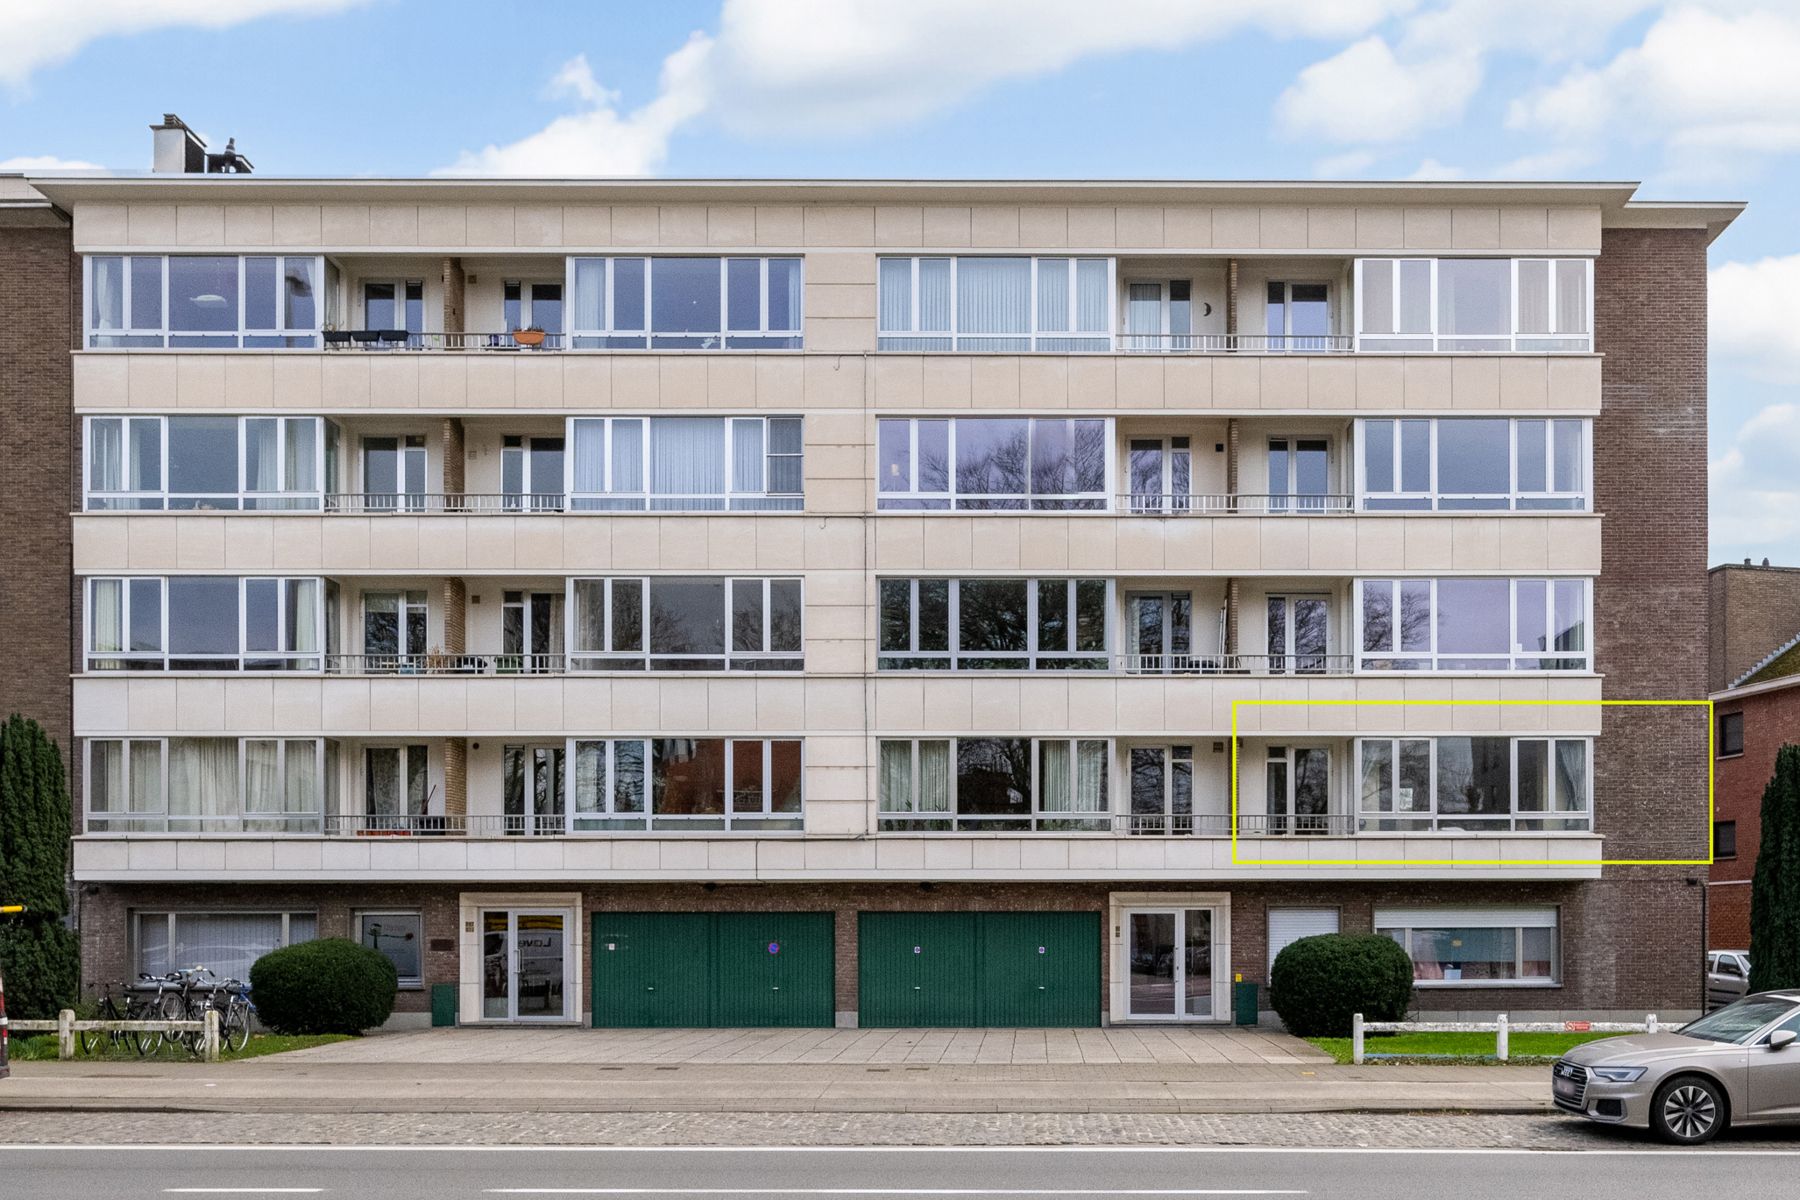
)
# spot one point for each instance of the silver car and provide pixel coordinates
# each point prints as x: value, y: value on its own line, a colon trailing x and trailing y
x: 1727, y: 976
x: 1736, y: 1066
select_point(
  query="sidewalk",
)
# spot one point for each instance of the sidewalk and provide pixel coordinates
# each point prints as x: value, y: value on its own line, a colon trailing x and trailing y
x: 783, y: 1071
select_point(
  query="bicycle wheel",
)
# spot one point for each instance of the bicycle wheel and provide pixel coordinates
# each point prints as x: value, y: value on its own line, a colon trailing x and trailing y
x: 234, y: 1029
x: 168, y: 1006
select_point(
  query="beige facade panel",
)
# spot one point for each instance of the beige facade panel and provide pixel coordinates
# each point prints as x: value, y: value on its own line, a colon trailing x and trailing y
x: 1247, y: 228
x: 836, y: 374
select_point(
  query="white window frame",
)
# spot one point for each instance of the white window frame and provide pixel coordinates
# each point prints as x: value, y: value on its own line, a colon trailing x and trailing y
x: 407, y: 983
x: 764, y: 821
x: 287, y: 917
x: 956, y: 337
x: 1517, y: 499
x: 232, y: 663
x: 1033, y: 656
x: 1404, y: 921
x: 1429, y: 341
x: 1166, y: 821
x: 231, y: 824
x: 227, y: 339
x: 733, y: 499
x: 730, y: 660
x: 1430, y: 820
x: 1059, y: 821
x: 244, y: 498
x: 399, y: 284
x: 955, y: 501
x: 648, y: 335
x: 1511, y: 656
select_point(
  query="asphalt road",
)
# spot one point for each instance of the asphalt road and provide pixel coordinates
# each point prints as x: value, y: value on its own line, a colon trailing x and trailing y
x: 432, y: 1173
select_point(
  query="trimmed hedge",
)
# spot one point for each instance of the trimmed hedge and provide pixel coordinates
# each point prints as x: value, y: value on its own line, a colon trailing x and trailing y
x: 1319, y: 983
x: 41, y: 963
x: 332, y: 985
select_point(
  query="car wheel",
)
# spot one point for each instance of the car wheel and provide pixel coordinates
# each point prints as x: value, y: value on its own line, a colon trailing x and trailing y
x: 1688, y: 1111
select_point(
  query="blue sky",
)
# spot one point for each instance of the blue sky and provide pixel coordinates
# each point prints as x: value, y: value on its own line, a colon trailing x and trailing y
x: 1700, y: 99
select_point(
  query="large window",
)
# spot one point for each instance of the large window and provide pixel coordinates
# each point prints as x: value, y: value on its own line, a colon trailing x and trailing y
x: 1473, y: 305
x: 1473, y: 624
x: 225, y: 942
x: 1476, y: 947
x: 207, y: 785
x: 399, y: 936
x: 1477, y: 464
x: 994, y: 624
x: 203, y: 302
x: 686, y: 303
x: 994, y: 784
x: 1057, y: 464
x: 996, y: 304
x: 692, y: 464
x: 730, y: 784
x: 204, y: 623
x: 681, y: 623
x: 1474, y: 784
x: 204, y: 462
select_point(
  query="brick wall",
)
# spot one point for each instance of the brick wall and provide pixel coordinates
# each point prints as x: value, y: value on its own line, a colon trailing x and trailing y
x: 38, y: 317
x: 1754, y: 611
x: 1771, y: 720
x: 1650, y: 609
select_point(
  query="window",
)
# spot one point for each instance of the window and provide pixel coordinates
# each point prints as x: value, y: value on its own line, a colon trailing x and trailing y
x: 194, y: 301
x: 978, y: 784
x: 1474, y: 305
x: 993, y: 624
x: 400, y: 937
x: 395, y: 307
x: 1731, y: 733
x: 686, y: 464
x: 531, y: 631
x: 730, y: 784
x: 1297, y: 317
x: 677, y: 623
x: 532, y: 306
x: 1473, y: 784
x: 996, y: 304
x: 224, y: 942
x: 1724, y: 839
x: 531, y: 472
x: 1162, y: 789
x: 205, y: 785
x: 204, y: 623
x: 1473, y: 624
x: 1476, y: 947
x: 993, y: 463
x: 204, y: 463
x: 1477, y: 464
x: 686, y: 303
x: 397, y: 787
x: 1300, y: 476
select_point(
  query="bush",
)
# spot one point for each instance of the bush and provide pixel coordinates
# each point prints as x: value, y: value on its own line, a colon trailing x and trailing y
x: 34, y: 821
x: 332, y: 985
x: 41, y: 963
x: 1319, y: 983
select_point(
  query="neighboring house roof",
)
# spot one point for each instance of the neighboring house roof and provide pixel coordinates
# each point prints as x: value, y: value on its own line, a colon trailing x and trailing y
x: 1783, y: 661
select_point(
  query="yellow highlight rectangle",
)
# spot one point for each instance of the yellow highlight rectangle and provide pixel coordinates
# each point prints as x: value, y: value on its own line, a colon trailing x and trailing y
x: 1711, y: 764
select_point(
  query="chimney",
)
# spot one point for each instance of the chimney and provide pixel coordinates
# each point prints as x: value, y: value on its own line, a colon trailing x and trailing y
x: 178, y: 150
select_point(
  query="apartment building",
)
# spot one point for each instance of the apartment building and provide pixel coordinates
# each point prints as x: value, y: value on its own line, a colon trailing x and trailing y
x: 809, y: 602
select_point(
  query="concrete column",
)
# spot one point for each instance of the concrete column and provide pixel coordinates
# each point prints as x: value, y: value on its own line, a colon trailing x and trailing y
x: 1231, y: 616
x: 456, y: 777
x: 1231, y: 313
x: 453, y: 295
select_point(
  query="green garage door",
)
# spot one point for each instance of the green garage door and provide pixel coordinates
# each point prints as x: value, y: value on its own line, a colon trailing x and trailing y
x: 689, y: 970
x: 979, y: 969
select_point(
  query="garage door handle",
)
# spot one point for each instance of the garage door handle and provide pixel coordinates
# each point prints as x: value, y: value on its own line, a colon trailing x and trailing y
x: 776, y: 988
x: 650, y: 988
x: 1040, y: 987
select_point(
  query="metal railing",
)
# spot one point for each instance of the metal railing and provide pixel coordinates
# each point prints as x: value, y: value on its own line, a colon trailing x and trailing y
x: 1235, y: 664
x: 575, y: 825
x: 1500, y: 1027
x: 527, y: 503
x: 435, y: 663
x: 1235, y: 343
x: 1219, y: 825
x: 1153, y: 504
x: 402, y: 339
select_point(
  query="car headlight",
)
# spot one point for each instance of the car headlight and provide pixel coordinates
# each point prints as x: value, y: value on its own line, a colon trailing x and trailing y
x: 1618, y: 1074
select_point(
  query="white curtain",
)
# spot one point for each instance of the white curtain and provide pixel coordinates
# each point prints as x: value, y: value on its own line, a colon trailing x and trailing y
x: 302, y: 616
x: 747, y: 454
x: 1053, y: 776
x: 1377, y: 300
x: 1415, y: 295
x: 993, y: 296
x: 590, y: 296
x: 934, y: 776
x: 1534, y: 295
x: 628, y: 456
x: 1571, y: 776
x: 203, y: 778
x: 590, y: 777
x: 934, y: 295
x: 590, y: 455
x: 1571, y: 295
x: 382, y: 775
x: 784, y: 293
x: 146, y: 776
x: 106, y: 454
x: 1053, y: 295
x: 225, y: 942
x: 109, y: 293
x: 303, y: 790
x: 262, y: 776
x: 896, y: 295
x: 1090, y: 776
x: 302, y: 462
x: 590, y: 615
x: 262, y: 459
x: 106, y: 776
x: 1092, y: 294
x: 108, y: 616
x: 896, y: 777
x: 687, y: 456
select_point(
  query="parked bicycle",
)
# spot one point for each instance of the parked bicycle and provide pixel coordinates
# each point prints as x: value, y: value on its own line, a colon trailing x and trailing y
x: 151, y: 998
x: 201, y: 991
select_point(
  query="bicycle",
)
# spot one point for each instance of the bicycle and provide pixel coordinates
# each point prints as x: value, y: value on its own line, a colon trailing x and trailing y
x: 107, y: 1009
x: 162, y: 999
x: 201, y: 992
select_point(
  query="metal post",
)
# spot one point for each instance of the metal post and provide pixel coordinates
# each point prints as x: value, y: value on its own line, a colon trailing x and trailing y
x: 65, y: 1034
x: 1650, y: 1025
x: 1356, y: 1039
x: 211, y: 1036
x: 1501, y: 1049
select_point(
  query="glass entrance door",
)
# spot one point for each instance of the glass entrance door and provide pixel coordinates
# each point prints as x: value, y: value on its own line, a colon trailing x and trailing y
x: 1298, y: 629
x: 1162, y: 633
x: 524, y: 964
x: 1170, y: 953
x: 534, y: 789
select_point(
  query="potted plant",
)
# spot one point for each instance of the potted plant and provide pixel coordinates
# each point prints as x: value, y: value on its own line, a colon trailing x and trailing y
x: 335, y: 335
x: 531, y: 335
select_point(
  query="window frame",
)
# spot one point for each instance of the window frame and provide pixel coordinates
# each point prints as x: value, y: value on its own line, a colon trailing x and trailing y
x: 764, y: 821
x: 230, y: 825
x: 406, y: 983
x: 913, y: 500
x: 1729, y: 723
x: 287, y: 920
x: 1473, y: 918
x: 305, y: 662
x: 1724, y: 839
x: 731, y: 660
x: 1505, y: 662
x: 1033, y: 657
x: 612, y: 337
x: 732, y: 498
x: 1380, y: 822
x: 954, y: 337
x: 1517, y: 499
x: 1429, y: 341
x: 910, y: 821
x: 166, y: 499
x: 296, y: 337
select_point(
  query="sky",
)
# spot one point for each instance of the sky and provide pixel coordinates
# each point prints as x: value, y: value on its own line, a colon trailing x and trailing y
x: 1698, y: 99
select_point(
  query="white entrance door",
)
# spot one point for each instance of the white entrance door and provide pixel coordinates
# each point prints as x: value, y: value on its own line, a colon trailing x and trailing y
x: 526, y: 965
x: 1170, y: 954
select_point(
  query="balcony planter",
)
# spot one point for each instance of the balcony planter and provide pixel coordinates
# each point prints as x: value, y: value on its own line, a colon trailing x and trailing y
x: 337, y: 337
x: 528, y: 337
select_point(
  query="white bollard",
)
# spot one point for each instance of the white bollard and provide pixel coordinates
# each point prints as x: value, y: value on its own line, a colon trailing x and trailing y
x: 65, y: 1034
x: 1650, y: 1025
x: 1356, y: 1039
x: 210, y: 1042
x: 1500, y: 1046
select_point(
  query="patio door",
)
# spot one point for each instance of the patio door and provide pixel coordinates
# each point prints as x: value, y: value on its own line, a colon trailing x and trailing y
x: 395, y: 629
x: 1162, y: 474
x: 531, y: 630
x: 1162, y: 789
x: 1159, y: 315
x: 533, y: 778
x: 1298, y: 634
x: 1299, y: 789
x: 1170, y: 952
x: 531, y: 473
x: 394, y: 473
x: 1162, y: 632
x: 396, y: 787
x: 1299, y: 474
x: 525, y: 965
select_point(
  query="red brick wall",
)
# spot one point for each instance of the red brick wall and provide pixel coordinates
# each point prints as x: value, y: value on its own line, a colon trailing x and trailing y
x: 1771, y: 720
x: 1755, y: 611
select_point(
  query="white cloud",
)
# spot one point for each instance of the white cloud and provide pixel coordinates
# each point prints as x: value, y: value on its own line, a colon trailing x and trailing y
x: 1365, y: 94
x: 1753, y: 317
x: 46, y: 162
x: 1433, y: 171
x: 1343, y: 166
x: 41, y: 33
x: 1713, y: 87
x: 1755, y: 497
x: 785, y: 68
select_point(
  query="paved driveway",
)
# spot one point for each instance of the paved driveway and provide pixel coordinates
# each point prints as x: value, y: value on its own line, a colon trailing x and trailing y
x: 1162, y: 1046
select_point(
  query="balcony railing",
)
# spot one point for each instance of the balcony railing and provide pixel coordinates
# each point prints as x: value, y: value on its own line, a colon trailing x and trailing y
x: 517, y: 503
x: 401, y: 339
x: 1235, y: 664
x: 1152, y: 504
x: 1249, y: 824
x: 1235, y: 343
x: 1125, y: 343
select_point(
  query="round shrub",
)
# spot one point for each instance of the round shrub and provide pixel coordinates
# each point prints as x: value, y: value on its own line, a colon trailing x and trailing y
x: 1319, y: 983
x: 332, y: 985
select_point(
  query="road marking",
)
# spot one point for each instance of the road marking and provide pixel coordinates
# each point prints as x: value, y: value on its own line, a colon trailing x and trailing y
x: 740, y: 1191
x: 242, y: 1191
x: 1635, y: 1151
